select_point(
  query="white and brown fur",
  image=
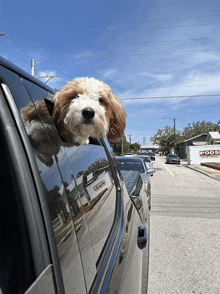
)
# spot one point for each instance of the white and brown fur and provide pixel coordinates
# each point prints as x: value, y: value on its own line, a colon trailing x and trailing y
x: 83, y: 108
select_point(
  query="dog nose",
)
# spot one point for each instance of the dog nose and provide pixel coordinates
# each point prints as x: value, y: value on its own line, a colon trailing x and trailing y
x: 88, y: 113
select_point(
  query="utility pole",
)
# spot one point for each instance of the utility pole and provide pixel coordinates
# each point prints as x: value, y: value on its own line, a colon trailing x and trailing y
x: 40, y: 77
x: 122, y: 151
x: 44, y: 77
x: 130, y: 139
x: 32, y: 67
x: 174, y: 131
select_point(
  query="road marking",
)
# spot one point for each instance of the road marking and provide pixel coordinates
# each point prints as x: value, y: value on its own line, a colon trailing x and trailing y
x: 166, y: 168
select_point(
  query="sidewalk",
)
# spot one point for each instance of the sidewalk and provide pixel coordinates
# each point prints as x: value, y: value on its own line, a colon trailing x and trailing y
x: 208, y: 171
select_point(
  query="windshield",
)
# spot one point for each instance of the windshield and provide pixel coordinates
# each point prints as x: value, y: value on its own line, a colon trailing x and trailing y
x: 131, y: 165
x: 173, y: 155
x: 146, y: 159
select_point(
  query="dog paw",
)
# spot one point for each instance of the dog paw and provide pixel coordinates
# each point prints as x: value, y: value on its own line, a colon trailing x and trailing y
x: 82, y: 140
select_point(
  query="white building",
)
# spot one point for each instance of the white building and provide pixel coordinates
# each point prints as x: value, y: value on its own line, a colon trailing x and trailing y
x: 213, y: 138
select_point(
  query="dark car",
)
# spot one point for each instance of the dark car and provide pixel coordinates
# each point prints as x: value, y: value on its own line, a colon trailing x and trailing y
x: 151, y: 154
x: 137, y: 164
x: 70, y: 221
x: 173, y: 158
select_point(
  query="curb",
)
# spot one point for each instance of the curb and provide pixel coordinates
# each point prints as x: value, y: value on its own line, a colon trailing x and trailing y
x: 202, y: 172
x: 210, y: 165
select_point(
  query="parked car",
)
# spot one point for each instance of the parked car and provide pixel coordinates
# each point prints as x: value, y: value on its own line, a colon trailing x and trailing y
x: 137, y: 164
x: 147, y: 160
x: 173, y: 158
x: 151, y: 154
x: 71, y: 222
x: 128, y: 155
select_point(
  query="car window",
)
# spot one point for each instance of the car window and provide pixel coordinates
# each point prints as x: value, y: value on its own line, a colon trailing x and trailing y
x: 19, y: 263
x: 81, y: 195
x: 131, y: 165
x: 96, y: 188
x: 56, y: 197
x: 146, y: 159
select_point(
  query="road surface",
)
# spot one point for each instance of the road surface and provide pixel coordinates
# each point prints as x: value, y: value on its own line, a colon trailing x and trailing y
x: 185, y: 231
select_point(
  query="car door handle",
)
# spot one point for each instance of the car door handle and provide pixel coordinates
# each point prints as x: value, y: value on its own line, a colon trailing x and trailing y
x: 142, y: 237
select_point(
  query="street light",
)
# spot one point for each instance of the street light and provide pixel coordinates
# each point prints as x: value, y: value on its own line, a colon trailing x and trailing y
x: 174, y: 130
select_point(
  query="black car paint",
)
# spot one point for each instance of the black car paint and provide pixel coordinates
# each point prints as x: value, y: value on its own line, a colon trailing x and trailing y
x: 76, y: 263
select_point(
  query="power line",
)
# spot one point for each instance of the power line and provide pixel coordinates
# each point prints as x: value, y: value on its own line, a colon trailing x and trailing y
x: 143, y: 54
x: 124, y: 31
x: 124, y: 43
x: 171, y: 97
x: 122, y: 23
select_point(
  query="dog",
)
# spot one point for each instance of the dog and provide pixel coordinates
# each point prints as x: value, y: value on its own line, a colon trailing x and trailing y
x: 84, y: 108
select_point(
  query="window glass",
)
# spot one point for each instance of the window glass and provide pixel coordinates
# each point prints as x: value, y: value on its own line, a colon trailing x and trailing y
x: 46, y: 150
x: 96, y: 188
x: 79, y: 189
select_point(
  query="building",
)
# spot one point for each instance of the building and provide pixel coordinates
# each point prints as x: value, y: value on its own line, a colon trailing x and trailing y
x: 213, y: 138
x: 200, y: 140
x: 153, y: 148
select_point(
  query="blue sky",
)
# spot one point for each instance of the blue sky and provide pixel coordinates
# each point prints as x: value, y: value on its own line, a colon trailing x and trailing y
x: 141, y: 49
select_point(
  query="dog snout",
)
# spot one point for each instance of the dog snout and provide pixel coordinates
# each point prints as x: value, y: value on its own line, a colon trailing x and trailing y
x: 88, y: 113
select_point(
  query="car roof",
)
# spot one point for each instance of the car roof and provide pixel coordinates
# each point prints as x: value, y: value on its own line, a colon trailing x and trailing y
x: 5, y: 63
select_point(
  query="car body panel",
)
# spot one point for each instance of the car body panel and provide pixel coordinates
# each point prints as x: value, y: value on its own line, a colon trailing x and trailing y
x: 83, y: 221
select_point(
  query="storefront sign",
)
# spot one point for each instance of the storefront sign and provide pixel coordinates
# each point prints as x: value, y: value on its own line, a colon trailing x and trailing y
x: 100, y: 184
x: 209, y: 153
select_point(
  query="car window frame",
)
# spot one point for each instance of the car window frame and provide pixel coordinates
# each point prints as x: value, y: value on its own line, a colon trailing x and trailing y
x: 36, y: 179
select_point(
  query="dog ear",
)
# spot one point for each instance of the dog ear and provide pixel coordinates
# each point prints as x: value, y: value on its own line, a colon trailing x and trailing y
x: 50, y: 105
x: 117, y: 120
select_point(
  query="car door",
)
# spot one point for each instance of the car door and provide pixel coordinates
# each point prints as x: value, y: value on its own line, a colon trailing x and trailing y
x: 63, y: 244
x: 130, y: 273
x: 24, y: 252
x: 88, y: 192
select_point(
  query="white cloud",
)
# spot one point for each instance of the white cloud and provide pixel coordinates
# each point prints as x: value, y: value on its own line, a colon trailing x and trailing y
x: 110, y: 73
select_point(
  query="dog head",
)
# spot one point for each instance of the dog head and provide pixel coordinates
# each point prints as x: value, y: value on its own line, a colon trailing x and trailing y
x: 87, y: 107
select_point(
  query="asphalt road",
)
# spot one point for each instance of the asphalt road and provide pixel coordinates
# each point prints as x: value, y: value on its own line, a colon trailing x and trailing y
x: 185, y: 231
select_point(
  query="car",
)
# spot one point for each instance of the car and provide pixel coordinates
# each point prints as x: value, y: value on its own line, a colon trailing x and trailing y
x: 151, y: 154
x: 173, y: 158
x: 71, y: 221
x: 147, y: 160
x: 137, y: 164
x: 128, y: 155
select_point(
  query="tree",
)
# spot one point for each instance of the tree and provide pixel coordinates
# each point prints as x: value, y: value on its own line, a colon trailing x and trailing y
x: 165, y: 139
x: 135, y: 147
x: 117, y: 146
x: 198, y: 128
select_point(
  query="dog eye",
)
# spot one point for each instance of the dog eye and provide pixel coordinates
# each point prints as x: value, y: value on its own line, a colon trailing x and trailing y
x: 100, y: 100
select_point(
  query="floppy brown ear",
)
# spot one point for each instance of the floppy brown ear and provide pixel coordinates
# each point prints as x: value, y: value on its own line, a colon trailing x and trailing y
x: 117, y: 120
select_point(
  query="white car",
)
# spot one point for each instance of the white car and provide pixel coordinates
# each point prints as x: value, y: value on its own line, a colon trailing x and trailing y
x: 128, y: 155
